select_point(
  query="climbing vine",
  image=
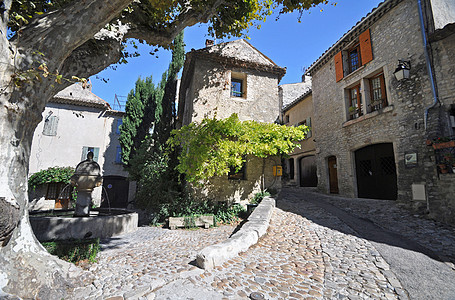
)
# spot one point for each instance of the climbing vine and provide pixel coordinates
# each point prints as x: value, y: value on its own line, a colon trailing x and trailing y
x: 213, y: 146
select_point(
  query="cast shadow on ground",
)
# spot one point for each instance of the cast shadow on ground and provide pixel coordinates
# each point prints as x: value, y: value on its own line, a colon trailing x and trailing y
x: 308, y: 204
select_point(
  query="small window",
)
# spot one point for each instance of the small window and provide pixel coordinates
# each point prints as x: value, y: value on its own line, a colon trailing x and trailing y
x: 236, y: 88
x: 94, y: 150
x: 354, y: 58
x: 355, y: 103
x: 50, y: 125
x: 119, y: 123
x: 118, y: 156
x: 58, y: 190
x: 286, y: 119
x: 378, y: 95
x: 237, y: 175
x: 307, y: 122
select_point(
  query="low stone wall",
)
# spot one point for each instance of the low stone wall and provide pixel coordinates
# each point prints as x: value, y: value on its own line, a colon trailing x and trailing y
x: 64, y: 228
x: 248, y: 235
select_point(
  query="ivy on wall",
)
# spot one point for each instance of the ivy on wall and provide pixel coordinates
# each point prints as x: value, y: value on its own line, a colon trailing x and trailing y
x: 53, y: 174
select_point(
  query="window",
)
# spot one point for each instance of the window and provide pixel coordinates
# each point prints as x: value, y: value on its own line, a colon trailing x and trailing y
x: 119, y: 123
x: 355, y: 102
x: 286, y: 119
x: 378, y: 98
x: 236, y: 88
x: 94, y: 150
x: 237, y: 175
x: 238, y: 85
x: 118, y: 155
x: 50, y: 125
x: 307, y: 122
x: 58, y: 190
x: 354, y: 58
x: 351, y: 59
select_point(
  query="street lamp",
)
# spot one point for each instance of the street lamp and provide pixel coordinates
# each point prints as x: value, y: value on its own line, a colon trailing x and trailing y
x: 402, y: 71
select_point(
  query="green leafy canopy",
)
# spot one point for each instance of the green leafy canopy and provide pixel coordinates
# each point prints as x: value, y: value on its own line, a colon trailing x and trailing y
x: 53, y: 174
x: 213, y: 146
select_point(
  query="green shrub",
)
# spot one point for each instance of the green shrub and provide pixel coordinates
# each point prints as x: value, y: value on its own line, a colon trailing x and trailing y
x: 259, y: 196
x: 74, y: 250
x: 53, y: 174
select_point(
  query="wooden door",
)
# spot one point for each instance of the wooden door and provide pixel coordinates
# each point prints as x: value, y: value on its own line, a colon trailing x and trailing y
x: 333, y: 174
x: 376, y: 172
x: 308, y: 174
x: 115, y: 192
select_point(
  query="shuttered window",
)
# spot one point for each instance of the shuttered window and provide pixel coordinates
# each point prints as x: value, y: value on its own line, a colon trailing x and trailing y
x: 354, y: 57
x: 94, y: 150
x: 50, y: 126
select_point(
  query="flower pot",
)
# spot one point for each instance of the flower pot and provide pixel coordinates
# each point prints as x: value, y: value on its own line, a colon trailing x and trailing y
x: 444, y: 145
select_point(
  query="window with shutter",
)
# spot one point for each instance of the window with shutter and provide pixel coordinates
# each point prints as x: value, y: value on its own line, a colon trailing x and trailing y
x: 94, y: 150
x: 359, y: 53
x: 50, y: 126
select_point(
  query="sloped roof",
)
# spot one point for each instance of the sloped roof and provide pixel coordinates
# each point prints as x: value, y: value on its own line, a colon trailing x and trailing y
x: 76, y: 94
x: 297, y: 101
x: 362, y: 25
x: 238, y: 53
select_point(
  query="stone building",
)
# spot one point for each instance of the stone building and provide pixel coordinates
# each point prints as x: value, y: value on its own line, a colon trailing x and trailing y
x: 300, y: 167
x: 227, y: 78
x: 372, y: 125
x: 76, y: 121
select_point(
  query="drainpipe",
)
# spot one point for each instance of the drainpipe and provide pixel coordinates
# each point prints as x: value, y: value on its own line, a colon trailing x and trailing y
x: 429, y: 68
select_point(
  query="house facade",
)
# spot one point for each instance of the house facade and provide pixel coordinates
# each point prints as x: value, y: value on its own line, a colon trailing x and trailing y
x: 75, y: 121
x: 372, y: 125
x: 227, y: 78
x: 300, y: 167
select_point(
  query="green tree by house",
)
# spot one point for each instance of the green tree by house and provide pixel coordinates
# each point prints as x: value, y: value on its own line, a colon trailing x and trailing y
x: 132, y: 127
x: 212, y: 147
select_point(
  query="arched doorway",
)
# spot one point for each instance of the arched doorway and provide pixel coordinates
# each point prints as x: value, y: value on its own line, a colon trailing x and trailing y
x: 308, y: 174
x: 333, y: 174
x: 116, y: 188
x: 376, y: 172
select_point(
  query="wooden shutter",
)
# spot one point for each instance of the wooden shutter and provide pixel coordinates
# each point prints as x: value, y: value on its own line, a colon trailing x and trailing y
x: 310, y: 132
x: 96, y: 153
x: 338, y: 66
x: 84, y: 153
x: 366, y: 52
x: 50, y: 126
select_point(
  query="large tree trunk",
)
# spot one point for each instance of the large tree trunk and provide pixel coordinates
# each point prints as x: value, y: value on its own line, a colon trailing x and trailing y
x: 70, y: 41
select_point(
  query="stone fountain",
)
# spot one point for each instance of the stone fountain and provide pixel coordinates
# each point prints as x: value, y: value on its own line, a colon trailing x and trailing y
x: 86, y: 177
x: 83, y: 222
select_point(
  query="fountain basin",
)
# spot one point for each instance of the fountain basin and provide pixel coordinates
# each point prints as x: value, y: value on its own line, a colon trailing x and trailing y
x: 102, y: 223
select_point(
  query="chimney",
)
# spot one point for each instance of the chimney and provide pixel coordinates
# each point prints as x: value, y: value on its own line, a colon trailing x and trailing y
x: 209, y: 43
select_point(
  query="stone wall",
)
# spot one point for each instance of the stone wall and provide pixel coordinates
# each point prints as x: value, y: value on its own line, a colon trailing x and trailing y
x: 209, y: 94
x: 259, y: 176
x: 394, y: 36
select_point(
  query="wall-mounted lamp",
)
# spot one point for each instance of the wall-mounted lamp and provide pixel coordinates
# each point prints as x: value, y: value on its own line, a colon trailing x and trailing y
x: 402, y: 71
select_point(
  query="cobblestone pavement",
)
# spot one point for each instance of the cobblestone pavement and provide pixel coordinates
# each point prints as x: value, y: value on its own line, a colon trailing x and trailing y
x: 308, y: 253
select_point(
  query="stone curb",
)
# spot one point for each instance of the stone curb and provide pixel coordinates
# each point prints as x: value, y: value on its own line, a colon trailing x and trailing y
x: 255, y: 227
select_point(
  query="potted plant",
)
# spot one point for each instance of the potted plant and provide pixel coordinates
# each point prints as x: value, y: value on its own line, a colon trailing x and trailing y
x: 443, y: 142
x: 352, y: 109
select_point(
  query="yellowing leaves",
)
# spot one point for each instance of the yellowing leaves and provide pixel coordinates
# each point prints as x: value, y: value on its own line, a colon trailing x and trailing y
x: 213, y: 146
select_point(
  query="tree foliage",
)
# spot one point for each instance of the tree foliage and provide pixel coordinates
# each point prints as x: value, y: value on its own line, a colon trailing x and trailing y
x: 132, y: 128
x: 213, y: 146
x: 152, y: 167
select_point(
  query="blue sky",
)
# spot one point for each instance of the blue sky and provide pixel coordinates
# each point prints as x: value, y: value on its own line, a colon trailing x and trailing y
x: 287, y: 42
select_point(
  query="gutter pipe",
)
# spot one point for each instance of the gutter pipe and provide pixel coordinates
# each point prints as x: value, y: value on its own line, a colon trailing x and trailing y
x: 429, y: 68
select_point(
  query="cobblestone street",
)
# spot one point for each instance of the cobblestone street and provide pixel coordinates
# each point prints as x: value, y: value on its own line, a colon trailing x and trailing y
x: 311, y: 251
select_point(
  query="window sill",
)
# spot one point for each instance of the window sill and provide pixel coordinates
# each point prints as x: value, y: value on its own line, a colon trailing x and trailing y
x: 353, y: 73
x: 368, y: 116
